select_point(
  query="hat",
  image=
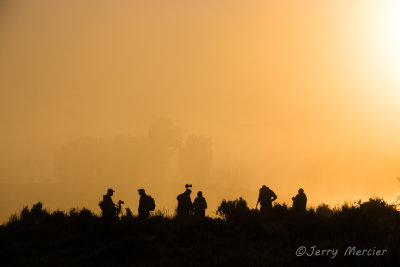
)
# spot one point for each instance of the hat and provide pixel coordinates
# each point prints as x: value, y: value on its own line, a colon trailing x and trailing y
x: 141, y: 190
x: 110, y: 190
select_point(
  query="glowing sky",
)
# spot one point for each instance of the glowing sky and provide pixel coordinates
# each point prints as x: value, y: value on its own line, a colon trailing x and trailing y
x: 227, y: 95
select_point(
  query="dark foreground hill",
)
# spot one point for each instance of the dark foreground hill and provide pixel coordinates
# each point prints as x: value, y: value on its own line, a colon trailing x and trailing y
x: 363, y: 234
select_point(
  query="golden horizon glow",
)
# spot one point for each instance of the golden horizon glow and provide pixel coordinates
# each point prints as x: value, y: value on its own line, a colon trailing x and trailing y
x: 227, y: 95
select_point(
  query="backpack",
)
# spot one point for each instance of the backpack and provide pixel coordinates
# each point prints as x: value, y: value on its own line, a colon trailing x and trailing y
x: 102, y: 204
x: 151, y: 203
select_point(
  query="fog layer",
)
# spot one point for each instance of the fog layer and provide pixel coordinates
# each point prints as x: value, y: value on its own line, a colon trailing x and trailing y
x: 226, y: 95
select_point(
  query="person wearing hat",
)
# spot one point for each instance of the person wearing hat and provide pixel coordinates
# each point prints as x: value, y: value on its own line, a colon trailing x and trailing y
x: 200, y: 205
x: 185, y: 205
x: 146, y: 204
x: 300, y: 201
x: 265, y: 198
x: 107, y: 206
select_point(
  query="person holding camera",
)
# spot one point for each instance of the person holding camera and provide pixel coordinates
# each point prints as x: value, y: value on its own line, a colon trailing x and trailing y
x: 109, y: 210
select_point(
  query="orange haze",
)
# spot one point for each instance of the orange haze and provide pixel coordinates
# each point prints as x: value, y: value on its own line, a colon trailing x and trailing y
x: 226, y: 95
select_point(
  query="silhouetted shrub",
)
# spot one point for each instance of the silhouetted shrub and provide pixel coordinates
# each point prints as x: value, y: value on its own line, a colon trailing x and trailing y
x: 279, y: 210
x: 243, y: 237
x: 85, y: 213
x: 323, y: 210
x: 33, y: 215
x: 233, y: 209
x: 377, y: 207
x: 128, y: 215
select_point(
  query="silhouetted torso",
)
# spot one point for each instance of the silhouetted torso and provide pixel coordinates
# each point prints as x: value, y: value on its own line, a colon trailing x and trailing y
x: 200, y: 206
x: 144, y: 209
x: 185, y: 205
x: 265, y: 198
x: 108, y: 209
x: 300, y: 202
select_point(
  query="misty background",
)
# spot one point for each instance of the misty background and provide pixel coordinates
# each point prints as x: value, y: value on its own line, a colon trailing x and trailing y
x: 226, y: 95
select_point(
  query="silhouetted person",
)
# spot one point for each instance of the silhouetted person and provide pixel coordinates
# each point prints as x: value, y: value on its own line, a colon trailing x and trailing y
x: 200, y: 205
x: 185, y: 205
x: 108, y: 209
x: 300, y: 201
x: 265, y: 198
x: 146, y: 204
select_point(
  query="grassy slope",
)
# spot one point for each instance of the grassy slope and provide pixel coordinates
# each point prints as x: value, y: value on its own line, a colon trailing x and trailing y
x: 243, y: 238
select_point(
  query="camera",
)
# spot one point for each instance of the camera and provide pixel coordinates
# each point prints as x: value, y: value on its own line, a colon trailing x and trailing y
x: 187, y: 186
x: 121, y: 202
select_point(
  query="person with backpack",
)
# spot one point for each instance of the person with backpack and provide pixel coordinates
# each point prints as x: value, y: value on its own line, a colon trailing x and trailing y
x: 265, y: 198
x: 146, y: 204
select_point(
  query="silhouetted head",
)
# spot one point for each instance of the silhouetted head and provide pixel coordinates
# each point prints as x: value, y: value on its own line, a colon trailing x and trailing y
x: 301, y: 191
x: 141, y: 192
x: 200, y: 194
x: 188, y: 191
x: 110, y: 192
x: 264, y: 187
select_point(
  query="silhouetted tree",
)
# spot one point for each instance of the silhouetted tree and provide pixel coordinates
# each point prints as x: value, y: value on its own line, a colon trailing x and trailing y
x: 97, y: 160
x: 195, y: 158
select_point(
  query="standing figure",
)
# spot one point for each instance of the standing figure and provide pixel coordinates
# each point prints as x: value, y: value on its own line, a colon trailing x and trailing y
x: 107, y: 206
x: 146, y: 204
x: 300, y: 201
x: 200, y: 205
x: 265, y: 198
x: 185, y: 205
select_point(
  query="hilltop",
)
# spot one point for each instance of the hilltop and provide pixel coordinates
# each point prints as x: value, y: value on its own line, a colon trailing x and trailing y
x: 241, y: 237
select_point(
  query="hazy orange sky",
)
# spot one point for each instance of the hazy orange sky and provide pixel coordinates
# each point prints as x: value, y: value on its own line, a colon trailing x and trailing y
x: 227, y: 95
